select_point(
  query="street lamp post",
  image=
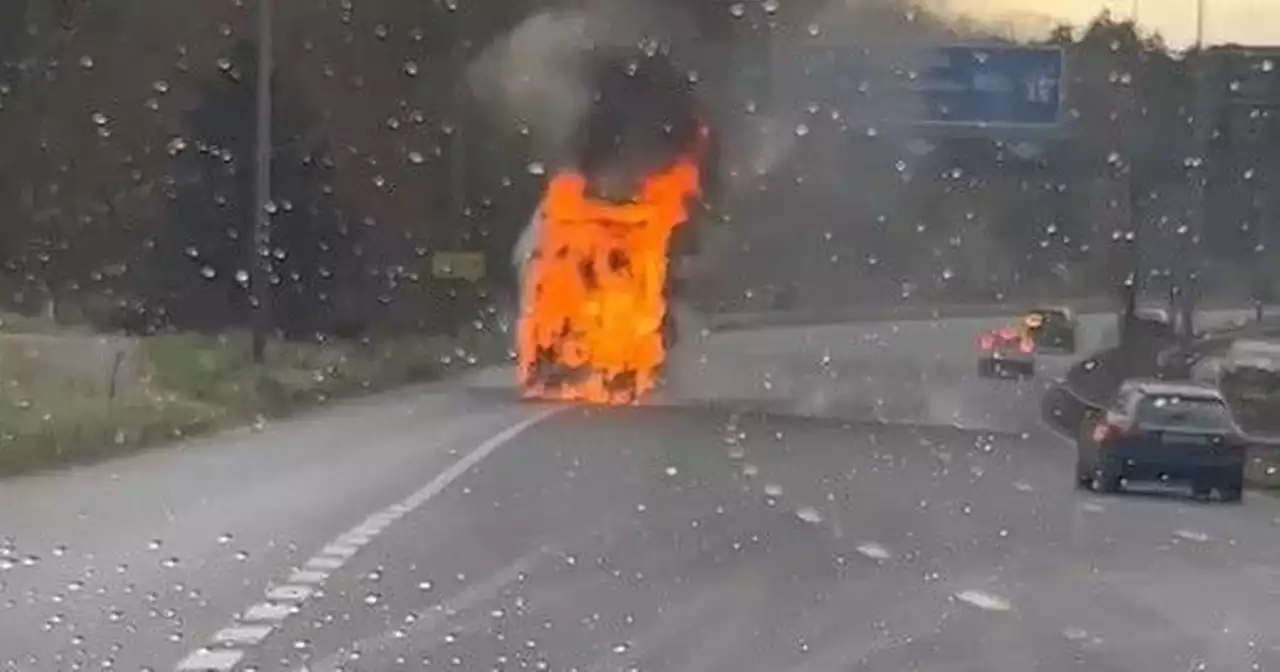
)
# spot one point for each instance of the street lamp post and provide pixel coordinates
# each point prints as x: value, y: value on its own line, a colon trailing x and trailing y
x: 1199, y: 178
x: 259, y: 252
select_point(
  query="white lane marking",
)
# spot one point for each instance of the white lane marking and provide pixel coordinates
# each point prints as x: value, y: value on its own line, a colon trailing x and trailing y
x: 290, y: 593
x: 340, y: 550
x: 874, y: 551
x: 308, y: 576
x: 1075, y: 634
x: 324, y: 562
x: 809, y: 515
x: 243, y: 635
x: 984, y: 600
x: 354, y: 539
x: 1092, y: 507
x: 316, y: 569
x: 1023, y: 486
x: 266, y: 611
x: 475, y: 593
x: 209, y: 660
x: 1192, y: 535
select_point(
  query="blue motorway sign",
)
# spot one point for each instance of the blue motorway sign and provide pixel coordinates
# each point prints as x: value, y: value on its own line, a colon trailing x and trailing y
x: 1001, y: 85
x: 953, y: 86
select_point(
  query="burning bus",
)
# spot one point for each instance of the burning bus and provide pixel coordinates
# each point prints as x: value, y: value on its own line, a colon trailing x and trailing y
x: 595, y: 283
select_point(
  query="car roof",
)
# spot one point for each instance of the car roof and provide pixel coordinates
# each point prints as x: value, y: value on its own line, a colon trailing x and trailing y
x: 1255, y: 345
x: 1181, y: 388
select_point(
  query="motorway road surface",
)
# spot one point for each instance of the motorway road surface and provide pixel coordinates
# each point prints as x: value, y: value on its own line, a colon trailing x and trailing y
x: 828, y: 498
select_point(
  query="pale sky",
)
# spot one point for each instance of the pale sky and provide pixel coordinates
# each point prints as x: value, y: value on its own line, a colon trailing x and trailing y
x: 1250, y: 22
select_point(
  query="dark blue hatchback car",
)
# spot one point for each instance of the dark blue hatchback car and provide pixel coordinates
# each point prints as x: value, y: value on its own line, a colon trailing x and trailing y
x: 1164, y: 431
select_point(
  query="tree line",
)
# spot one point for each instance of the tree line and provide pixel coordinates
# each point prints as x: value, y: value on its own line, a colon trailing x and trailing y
x: 126, y: 170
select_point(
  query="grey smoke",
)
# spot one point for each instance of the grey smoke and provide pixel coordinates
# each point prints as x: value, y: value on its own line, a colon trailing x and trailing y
x: 539, y: 75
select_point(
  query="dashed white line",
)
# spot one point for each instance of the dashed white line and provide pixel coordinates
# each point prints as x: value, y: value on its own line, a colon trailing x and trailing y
x: 266, y: 611
x: 290, y: 593
x: 1192, y: 535
x: 874, y: 551
x: 308, y: 576
x: 340, y: 550
x: 243, y: 635
x: 324, y: 562
x: 260, y: 620
x: 809, y: 515
x: 208, y: 660
x: 984, y: 600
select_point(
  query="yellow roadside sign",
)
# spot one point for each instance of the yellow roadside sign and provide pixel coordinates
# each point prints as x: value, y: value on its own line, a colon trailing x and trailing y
x: 458, y: 265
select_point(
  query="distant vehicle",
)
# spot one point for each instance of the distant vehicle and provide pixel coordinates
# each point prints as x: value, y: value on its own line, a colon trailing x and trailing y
x: 1052, y: 327
x: 1250, y: 371
x: 1006, y: 352
x: 1164, y: 431
x: 1150, y: 313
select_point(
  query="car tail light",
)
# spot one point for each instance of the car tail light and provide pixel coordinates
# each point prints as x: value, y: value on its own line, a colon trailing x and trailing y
x: 1105, y: 430
x: 986, y: 342
x: 1027, y: 346
x: 1235, y: 441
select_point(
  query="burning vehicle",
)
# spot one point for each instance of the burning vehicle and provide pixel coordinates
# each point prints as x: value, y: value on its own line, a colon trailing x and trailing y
x: 595, y: 323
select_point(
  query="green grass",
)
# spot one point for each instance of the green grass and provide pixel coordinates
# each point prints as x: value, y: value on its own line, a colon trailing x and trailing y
x: 48, y: 426
x: 196, y: 383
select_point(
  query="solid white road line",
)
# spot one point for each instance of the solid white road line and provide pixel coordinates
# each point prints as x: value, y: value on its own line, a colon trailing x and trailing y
x: 259, y: 620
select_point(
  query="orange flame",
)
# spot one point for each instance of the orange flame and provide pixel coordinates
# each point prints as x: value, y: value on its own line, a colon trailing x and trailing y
x: 591, y: 320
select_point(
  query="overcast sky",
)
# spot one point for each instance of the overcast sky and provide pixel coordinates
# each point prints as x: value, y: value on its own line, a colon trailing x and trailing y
x: 1252, y: 22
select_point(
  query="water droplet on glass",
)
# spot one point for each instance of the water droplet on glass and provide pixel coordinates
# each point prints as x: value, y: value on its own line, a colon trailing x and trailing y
x: 372, y: 599
x: 411, y: 68
x: 771, y: 6
x: 86, y: 62
x: 154, y: 545
x: 802, y: 130
x: 99, y: 118
x: 208, y: 272
x: 737, y: 10
x: 536, y: 168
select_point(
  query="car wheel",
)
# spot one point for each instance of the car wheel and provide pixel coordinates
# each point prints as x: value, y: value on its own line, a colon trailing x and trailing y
x: 1107, y: 479
x: 1200, y: 490
x: 1084, y: 475
x: 1233, y: 489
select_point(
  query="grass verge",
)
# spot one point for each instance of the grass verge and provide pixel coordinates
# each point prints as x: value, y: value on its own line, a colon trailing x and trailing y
x: 195, y: 384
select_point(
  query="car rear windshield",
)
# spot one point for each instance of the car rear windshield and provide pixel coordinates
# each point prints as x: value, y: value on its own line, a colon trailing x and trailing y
x: 1190, y: 412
